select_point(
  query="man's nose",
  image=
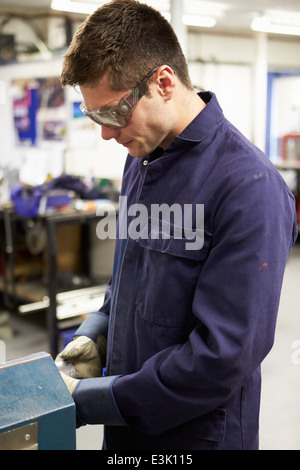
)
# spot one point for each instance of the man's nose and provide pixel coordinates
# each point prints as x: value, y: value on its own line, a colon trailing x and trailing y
x: 108, y: 133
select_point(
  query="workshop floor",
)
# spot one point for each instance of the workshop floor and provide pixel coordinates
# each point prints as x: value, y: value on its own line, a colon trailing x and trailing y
x: 280, y: 404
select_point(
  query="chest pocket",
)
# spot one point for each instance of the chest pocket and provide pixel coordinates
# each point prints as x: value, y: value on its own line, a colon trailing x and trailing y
x: 168, y: 277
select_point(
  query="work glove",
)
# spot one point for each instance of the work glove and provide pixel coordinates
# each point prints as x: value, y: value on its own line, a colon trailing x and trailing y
x: 69, y: 382
x: 87, y: 357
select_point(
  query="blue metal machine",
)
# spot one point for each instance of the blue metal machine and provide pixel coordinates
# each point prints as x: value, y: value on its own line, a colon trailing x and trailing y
x: 36, y: 409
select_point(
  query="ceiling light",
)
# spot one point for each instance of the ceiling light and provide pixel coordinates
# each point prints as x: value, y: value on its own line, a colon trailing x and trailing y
x: 207, y: 8
x: 73, y: 6
x: 89, y: 6
x: 201, y: 21
x: 278, y: 23
x: 290, y: 18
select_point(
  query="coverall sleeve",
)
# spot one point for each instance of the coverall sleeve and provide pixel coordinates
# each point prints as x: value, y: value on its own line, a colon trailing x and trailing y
x: 96, y: 323
x: 95, y: 403
x: 235, y: 305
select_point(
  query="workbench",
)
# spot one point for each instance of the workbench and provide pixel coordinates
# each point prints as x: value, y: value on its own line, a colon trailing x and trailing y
x: 51, y: 297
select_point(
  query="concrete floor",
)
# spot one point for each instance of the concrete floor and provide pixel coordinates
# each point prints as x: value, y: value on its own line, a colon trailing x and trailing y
x: 280, y: 408
x: 280, y: 403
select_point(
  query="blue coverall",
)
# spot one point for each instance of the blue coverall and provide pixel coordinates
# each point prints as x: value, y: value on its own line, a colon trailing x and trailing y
x: 187, y: 329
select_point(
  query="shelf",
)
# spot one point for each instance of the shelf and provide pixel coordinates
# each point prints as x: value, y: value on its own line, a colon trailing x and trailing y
x: 30, y: 291
x: 70, y: 304
x: 68, y: 285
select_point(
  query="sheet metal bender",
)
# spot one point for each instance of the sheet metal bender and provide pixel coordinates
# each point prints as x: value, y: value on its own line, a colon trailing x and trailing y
x: 36, y: 409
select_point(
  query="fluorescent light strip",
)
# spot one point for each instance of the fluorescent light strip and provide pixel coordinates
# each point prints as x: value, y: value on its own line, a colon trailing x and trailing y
x: 283, y: 17
x: 205, y: 8
x: 201, y: 21
x: 74, y: 6
x: 88, y: 8
x: 264, y: 24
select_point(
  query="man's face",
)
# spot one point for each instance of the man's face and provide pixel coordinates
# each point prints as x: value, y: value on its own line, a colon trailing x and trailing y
x: 149, y: 125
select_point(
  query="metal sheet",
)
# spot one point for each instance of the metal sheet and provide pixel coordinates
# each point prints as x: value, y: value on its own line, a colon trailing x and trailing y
x: 32, y: 391
x: 23, y: 438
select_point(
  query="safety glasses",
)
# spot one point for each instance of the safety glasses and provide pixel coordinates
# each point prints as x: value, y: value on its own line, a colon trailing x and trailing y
x: 116, y: 114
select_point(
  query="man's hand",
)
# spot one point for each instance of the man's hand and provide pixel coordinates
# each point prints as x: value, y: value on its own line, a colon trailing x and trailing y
x: 87, y: 357
x: 69, y: 382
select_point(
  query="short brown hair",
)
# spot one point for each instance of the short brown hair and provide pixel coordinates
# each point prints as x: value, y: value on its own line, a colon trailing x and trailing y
x: 125, y: 39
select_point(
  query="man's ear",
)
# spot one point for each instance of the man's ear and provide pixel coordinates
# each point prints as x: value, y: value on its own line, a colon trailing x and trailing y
x: 165, y: 79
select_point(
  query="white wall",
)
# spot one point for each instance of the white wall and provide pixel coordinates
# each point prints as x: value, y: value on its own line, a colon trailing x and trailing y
x: 235, y: 95
x: 235, y: 68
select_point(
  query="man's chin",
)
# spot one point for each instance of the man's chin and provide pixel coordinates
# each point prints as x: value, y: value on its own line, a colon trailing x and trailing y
x: 137, y: 153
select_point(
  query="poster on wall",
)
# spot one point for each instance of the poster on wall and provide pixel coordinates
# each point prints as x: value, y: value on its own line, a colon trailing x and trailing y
x: 39, y: 111
x: 284, y: 116
x: 39, y: 120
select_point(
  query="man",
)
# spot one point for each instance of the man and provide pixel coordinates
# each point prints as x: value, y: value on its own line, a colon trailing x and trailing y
x: 187, y: 325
